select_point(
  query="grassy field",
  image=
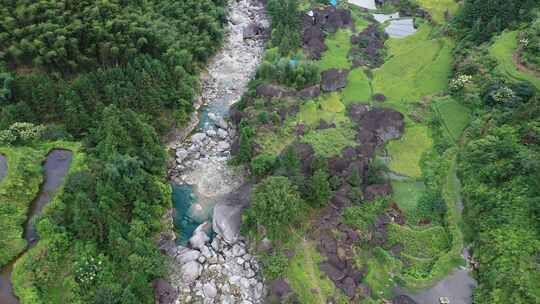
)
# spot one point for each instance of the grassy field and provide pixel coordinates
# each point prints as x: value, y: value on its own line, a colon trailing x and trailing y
x: 330, y: 142
x: 358, y: 88
x: 438, y: 7
x: 338, y: 45
x: 417, y: 66
x: 406, y: 152
x: 406, y: 195
x: 503, y: 50
x: 453, y: 115
x: 328, y: 107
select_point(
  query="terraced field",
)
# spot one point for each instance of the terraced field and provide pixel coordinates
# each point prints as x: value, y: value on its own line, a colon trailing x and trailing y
x: 503, y: 50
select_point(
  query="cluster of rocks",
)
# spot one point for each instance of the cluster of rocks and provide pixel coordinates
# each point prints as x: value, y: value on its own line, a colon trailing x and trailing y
x: 378, y: 126
x: 214, y: 272
x: 331, y: 80
x: 368, y: 47
x: 318, y: 21
x: 212, y: 145
x: 276, y: 91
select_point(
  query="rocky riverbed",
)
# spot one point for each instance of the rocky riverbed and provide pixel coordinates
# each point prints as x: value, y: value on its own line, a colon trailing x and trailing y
x: 219, y: 270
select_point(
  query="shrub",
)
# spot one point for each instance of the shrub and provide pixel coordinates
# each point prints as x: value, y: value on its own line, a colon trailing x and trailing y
x: 21, y: 133
x: 262, y: 164
x: 275, y: 204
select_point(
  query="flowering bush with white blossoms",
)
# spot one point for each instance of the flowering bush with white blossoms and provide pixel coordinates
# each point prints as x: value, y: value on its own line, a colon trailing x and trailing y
x: 503, y: 94
x: 87, y: 270
x: 21, y: 132
x: 458, y: 82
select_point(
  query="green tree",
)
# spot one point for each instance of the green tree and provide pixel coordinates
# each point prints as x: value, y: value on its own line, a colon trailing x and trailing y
x: 320, y: 188
x: 275, y: 204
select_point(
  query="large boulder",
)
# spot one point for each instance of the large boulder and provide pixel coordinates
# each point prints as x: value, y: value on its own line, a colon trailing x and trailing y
x: 373, y: 191
x: 227, y: 217
x: 334, y: 79
x: 330, y: 18
x: 331, y: 271
x: 309, y: 92
x: 252, y: 30
x: 191, y: 271
x: 386, y: 123
x: 199, y: 238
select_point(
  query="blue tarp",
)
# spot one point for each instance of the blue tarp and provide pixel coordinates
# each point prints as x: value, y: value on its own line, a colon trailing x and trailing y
x: 333, y: 2
x: 293, y: 62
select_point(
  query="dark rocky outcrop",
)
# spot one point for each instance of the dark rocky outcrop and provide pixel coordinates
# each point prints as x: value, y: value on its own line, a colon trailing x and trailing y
x: 309, y: 92
x: 368, y: 47
x: 334, y: 79
x: 164, y: 292
x: 382, y: 123
x: 324, y: 19
x: 312, y: 38
x: 373, y: 191
x: 252, y: 31
x: 273, y: 91
x: 330, y: 18
x: 279, y: 291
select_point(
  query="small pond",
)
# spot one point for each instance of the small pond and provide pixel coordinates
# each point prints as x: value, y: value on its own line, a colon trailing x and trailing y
x: 400, y: 28
x: 55, y: 169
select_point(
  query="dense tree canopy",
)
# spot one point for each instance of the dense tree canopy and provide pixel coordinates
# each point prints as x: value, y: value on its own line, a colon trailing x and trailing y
x: 71, y: 36
x: 481, y: 19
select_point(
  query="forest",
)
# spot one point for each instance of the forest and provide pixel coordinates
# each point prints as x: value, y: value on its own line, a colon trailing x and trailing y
x: 114, y: 76
x: 373, y: 161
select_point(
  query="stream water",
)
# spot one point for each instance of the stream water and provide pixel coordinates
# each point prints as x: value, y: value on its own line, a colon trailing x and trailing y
x: 3, y: 167
x: 55, y: 169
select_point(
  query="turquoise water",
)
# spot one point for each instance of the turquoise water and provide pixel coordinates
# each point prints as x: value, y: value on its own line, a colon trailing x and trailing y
x: 183, y: 197
x: 203, y: 118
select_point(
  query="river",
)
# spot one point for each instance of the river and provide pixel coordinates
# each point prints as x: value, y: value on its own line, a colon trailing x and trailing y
x: 55, y: 168
x: 202, y: 176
